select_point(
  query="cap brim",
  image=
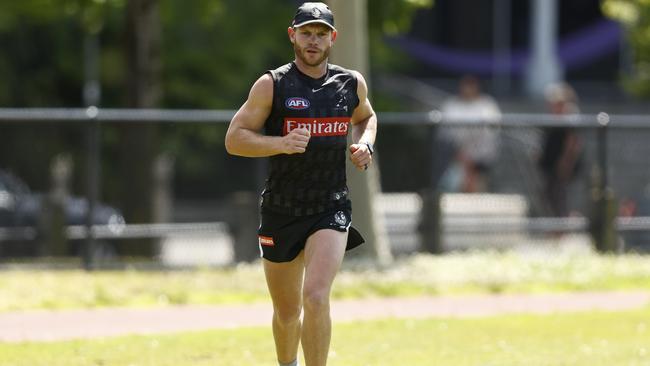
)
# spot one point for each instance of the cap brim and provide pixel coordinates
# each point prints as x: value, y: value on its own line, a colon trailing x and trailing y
x: 314, y: 21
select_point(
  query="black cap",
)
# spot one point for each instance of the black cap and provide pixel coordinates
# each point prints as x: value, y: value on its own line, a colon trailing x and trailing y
x: 313, y: 13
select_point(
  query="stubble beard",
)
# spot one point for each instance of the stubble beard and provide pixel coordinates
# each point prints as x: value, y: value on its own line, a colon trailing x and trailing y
x: 300, y: 53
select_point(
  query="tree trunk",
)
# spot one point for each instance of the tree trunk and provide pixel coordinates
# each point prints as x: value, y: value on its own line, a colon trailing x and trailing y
x: 139, y: 141
x: 351, y: 51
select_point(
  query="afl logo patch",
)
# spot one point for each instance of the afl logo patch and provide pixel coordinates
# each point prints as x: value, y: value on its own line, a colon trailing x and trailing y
x: 340, y: 218
x: 296, y: 103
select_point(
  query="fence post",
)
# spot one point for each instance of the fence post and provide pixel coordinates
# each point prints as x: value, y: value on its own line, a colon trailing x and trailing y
x: 430, y: 222
x: 243, y: 223
x: 54, y: 240
x: 602, y: 224
x: 93, y: 162
x: 163, y: 192
x: 430, y: 227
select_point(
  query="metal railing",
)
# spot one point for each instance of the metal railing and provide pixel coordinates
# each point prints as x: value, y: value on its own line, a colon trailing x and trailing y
x: 125, y: 231
x: 93, y: 118
x: 435, y: 117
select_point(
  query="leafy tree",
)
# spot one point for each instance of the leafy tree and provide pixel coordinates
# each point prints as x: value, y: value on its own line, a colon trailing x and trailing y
x: 635, y: 15
x: 390, y: 18
x: 211, y: 53
x: 41, y: 66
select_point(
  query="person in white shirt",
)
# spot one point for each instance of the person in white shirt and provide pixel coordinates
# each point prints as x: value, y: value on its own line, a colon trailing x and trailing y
x: 476, y: 146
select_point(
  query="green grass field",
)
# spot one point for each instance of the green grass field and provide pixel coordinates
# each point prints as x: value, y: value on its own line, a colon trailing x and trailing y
x: 590, y: 338
x: 580, y: 339
x: 484, y: 272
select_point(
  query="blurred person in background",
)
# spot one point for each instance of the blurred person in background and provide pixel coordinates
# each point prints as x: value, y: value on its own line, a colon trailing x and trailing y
x: 560, y: 159
x: 299, y: 115
x: 475, y: 147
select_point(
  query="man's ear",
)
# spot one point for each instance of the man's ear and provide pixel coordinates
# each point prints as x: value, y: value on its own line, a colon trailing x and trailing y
x: 334, y: 35
x: 292, y: 34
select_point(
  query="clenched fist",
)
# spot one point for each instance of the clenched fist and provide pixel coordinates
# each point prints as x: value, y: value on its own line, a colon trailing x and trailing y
x: 360, y: 156
x: 295, y: 142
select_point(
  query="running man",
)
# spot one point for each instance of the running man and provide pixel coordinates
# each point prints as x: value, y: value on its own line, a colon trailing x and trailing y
x: 299, y: 115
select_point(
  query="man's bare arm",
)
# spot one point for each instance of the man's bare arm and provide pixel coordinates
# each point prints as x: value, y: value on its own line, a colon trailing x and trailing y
x: 364, y: 127
x: 244, y: 137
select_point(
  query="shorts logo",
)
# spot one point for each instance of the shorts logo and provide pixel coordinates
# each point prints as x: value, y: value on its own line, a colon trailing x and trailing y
x: 340, y: 218
x: 266, y: 241
x: 296, y: 103
x: 328, y: 126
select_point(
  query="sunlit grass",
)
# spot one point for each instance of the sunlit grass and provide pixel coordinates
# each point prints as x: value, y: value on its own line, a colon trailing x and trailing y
x: 480, y: 272
x: 76, y: 288
x: 496, y: 272
x: 578, y: 339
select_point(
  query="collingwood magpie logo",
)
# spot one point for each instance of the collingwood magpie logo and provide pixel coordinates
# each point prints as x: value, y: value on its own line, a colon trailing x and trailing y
x: 340, y: 218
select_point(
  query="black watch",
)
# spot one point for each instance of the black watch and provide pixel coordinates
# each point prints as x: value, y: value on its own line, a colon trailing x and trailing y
x: 370, y: 149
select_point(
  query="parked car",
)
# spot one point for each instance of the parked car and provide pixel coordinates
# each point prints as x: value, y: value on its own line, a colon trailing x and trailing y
x: 22, y: 208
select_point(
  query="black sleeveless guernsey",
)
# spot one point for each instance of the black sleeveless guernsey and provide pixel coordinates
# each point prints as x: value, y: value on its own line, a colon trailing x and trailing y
x: 314, y: 181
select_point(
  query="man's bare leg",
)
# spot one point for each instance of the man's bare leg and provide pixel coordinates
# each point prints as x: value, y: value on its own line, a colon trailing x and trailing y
x: 324, y: 253
x: 284, y: 281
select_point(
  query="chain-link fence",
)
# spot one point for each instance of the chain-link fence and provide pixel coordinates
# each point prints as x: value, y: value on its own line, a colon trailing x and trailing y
x: 449, y: 183
x: 525, y: 180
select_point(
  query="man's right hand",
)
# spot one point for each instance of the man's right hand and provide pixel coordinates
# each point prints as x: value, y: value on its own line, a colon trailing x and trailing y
x: 295, y: 142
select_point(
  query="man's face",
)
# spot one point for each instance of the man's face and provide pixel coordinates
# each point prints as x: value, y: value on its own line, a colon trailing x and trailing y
x: 469, y: 89
x: 312, y: 43
x: 558, y: 107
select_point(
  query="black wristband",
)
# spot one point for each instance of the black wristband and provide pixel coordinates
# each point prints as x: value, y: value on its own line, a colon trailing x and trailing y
x: 370, y: 149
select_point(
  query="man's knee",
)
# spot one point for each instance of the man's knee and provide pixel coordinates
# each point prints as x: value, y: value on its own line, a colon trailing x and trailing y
x: 287, y: 314
x: 316, y: 300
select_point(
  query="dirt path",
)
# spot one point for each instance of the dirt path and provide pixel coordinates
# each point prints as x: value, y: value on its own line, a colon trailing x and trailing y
x: 73, y: 324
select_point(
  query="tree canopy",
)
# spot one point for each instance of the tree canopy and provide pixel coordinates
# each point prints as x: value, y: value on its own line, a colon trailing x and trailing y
x: 635, y: 16
x: 211, y: 53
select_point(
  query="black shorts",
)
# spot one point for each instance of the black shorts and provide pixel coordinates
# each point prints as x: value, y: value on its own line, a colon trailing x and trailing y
x: 283, y: 237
